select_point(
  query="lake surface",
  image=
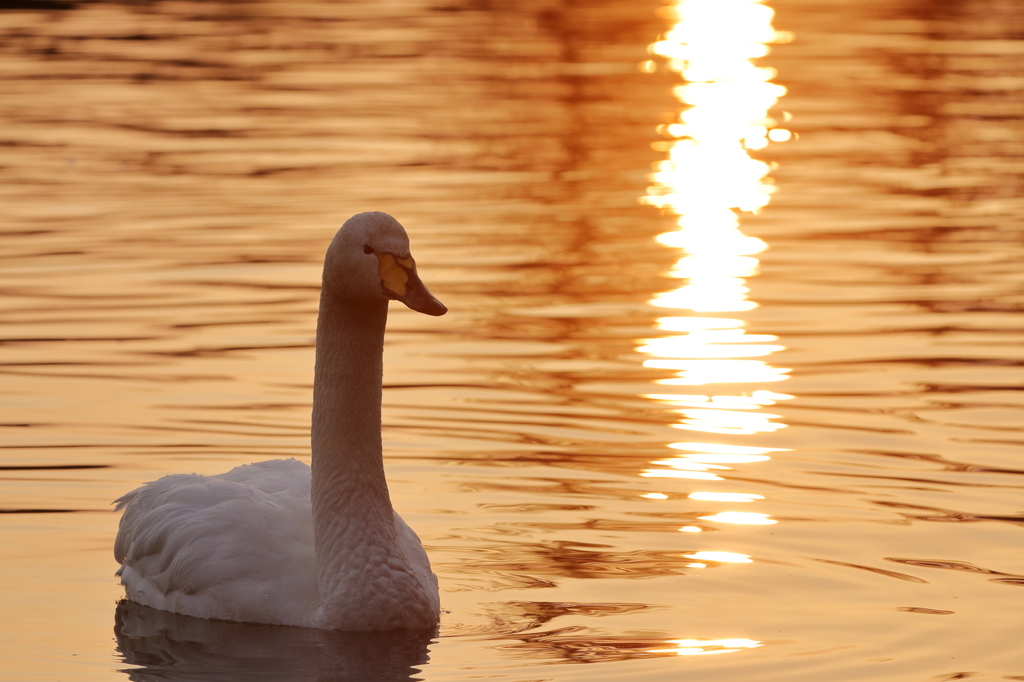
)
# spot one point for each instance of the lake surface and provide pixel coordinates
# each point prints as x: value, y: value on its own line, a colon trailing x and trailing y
x: 731, y: 387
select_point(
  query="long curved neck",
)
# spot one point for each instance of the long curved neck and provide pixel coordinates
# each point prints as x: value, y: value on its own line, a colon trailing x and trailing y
x: 353, y: 520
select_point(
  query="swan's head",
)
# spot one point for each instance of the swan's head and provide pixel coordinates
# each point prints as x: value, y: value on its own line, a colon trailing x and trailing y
x: 369, y: 260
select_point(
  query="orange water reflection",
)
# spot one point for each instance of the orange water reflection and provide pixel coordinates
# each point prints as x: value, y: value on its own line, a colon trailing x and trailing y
x: 708, y: 181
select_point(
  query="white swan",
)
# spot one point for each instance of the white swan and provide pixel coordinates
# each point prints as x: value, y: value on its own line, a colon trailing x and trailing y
x: 275, y: 542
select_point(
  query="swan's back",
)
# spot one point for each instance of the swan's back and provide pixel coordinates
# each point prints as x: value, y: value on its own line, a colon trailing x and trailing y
x: 238, y: 546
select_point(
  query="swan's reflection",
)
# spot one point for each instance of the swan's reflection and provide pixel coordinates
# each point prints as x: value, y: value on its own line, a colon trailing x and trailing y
x: 170, y: 647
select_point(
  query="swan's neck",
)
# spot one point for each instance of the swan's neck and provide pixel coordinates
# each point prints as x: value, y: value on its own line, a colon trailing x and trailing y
x: 353, y: 521
x: 365, y: 580
x: 346, y: 403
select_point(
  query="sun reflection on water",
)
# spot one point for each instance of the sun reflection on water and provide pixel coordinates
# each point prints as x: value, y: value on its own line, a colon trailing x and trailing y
x: 697, y: 647
x: 708, y: 181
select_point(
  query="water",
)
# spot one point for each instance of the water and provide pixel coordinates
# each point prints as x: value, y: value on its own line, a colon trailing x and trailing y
x: 825, y: 395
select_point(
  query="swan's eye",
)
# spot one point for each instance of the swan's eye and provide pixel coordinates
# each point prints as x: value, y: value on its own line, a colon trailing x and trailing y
x: 367, y: 249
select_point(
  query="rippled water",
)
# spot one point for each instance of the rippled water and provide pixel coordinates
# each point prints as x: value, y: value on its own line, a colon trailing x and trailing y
x: 793, y: 439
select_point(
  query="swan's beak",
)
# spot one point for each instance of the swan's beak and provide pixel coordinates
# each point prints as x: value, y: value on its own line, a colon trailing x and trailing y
x: 399, y: 280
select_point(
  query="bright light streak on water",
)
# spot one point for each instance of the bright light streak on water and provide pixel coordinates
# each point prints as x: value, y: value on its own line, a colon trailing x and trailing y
x: 724, y: 557
x: 698, y: 647
x: 708, y: 180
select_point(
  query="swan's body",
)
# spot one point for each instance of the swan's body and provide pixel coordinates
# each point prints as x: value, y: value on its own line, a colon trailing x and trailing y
x: 276, y: 542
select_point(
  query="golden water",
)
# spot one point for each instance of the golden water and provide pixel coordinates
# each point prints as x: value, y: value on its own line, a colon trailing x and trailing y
x: 733, y: 362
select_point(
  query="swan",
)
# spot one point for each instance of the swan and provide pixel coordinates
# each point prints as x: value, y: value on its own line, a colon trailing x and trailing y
x: 279, y: 542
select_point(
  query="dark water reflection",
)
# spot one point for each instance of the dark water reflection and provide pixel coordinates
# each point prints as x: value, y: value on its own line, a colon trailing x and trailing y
x: 167, y: 646
x: 170, y: 173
